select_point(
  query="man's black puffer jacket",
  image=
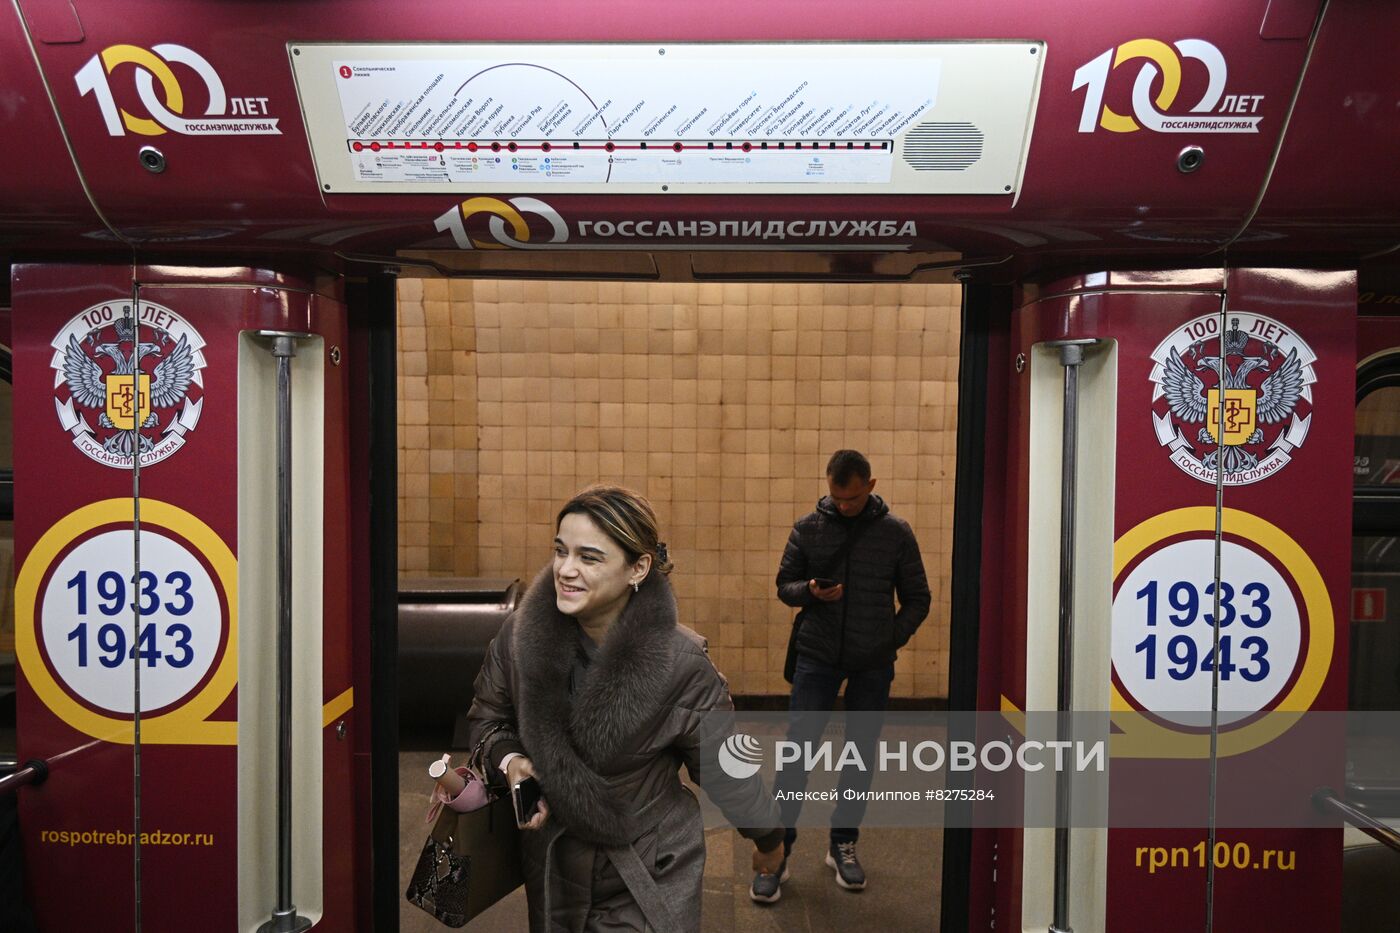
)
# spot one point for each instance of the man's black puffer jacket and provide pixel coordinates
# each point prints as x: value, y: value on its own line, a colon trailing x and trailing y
x: 862, y: 631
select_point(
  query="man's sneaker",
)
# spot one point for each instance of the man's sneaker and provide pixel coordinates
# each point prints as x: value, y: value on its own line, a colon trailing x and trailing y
x: 766, y: 888
x: 842, y: 857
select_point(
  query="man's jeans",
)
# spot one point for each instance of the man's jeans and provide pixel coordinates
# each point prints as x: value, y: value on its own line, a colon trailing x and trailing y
x: 814, y: 689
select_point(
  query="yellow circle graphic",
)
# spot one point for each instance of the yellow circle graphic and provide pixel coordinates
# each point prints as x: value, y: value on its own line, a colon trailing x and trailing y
x: 1166, y: 59
x: 186, y: 724
x: 501, y: 208
x: 135, y: 55
x: 1144, y: 738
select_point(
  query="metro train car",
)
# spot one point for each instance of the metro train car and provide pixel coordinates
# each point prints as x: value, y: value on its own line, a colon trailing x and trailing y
x: 1171, y: 393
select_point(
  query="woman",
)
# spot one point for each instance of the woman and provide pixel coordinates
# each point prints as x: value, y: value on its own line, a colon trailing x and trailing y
x: 593, y: 688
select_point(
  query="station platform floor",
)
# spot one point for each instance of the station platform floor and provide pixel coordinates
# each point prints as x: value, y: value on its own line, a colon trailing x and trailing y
x: 903, y: 866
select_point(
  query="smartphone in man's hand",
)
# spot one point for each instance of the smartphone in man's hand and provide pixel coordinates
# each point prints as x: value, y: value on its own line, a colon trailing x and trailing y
x: 824, y: 582
x: 526, y: 796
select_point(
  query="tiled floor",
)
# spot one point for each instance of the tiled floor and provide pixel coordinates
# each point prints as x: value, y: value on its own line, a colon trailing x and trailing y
x: 903, y: 866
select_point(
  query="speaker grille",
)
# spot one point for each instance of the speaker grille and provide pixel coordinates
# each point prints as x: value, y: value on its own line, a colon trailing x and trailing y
x: 942, y: 147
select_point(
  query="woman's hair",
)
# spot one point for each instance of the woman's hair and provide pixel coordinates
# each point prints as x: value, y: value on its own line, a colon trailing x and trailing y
x: 626, y: 516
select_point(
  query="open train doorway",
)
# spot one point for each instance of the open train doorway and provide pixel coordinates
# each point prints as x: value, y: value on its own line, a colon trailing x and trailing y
x: 721, y: 402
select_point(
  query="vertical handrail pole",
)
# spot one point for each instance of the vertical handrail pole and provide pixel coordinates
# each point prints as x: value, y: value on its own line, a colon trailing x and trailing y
x: 1071, y: 357
x: 136, y: 832
x: 284, y: 917
x: 284, y: 348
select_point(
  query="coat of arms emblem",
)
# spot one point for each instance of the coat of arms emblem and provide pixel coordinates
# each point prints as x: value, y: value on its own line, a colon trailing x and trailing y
x: 1240, y: 405
x: 120, y: 398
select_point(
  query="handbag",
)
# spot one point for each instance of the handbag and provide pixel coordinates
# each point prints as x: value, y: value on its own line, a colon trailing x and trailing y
x: 842, y: 553
x: 790, y: 662
x: 470, y: 861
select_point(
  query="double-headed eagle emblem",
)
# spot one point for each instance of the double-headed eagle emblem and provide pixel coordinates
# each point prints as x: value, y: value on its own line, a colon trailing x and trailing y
x: 130, y: 394
x: 1244, y: 405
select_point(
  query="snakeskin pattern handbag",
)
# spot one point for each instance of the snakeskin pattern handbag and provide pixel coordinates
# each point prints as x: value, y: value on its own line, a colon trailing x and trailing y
x: 441, y: 882
x: 470, y: 861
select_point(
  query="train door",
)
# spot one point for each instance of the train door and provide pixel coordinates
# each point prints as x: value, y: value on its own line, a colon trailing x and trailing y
x: 1371, y: 869
x: 13, y: 912
x: 1375, y: 660
x: 720, y: 401
x: 183, y: 540
x: 1182, y: 516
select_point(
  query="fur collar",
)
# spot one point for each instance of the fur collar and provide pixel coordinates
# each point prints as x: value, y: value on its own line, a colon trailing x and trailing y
x: 571, y: 739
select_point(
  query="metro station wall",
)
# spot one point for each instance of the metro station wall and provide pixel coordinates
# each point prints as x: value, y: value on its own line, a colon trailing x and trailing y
x: 721, y: 403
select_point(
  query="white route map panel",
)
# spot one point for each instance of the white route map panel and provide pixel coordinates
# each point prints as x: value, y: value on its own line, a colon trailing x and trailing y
x: 870, y: 118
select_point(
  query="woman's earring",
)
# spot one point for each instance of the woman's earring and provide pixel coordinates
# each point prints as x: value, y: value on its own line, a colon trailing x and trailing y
x: 636, y: 586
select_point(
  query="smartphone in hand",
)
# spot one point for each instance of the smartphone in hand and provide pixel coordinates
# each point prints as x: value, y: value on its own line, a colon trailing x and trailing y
x: 824, y: 582
x: 526, y: 797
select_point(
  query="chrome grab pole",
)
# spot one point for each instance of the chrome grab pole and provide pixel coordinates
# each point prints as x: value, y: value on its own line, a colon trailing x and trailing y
x: 1326, y: 800
x: 31, y: 774
x: 1071, y: 357
x: 35, y: 771
x: 284, y: 918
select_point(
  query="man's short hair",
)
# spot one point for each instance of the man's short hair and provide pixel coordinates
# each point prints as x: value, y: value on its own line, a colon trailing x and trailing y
x: 846, y: 464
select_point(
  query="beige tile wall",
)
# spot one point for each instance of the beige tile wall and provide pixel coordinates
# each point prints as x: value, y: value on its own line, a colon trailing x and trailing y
x: 721, y: 402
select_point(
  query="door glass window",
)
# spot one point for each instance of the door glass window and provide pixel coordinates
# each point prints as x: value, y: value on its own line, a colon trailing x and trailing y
x: 1375, y: 595
x: 1377, y: 460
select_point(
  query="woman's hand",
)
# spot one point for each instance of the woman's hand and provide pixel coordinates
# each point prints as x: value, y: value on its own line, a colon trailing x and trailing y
x: 768, y: 863
x: 518, y: 770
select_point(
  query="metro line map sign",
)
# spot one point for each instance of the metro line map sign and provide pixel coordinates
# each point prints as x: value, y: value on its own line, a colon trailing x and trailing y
x: 876, y: 117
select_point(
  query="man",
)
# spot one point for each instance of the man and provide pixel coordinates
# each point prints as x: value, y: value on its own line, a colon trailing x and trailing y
x: 843, y: 566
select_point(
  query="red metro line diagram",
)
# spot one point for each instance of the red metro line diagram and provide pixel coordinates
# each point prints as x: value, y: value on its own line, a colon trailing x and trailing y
x: 669, y: 118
